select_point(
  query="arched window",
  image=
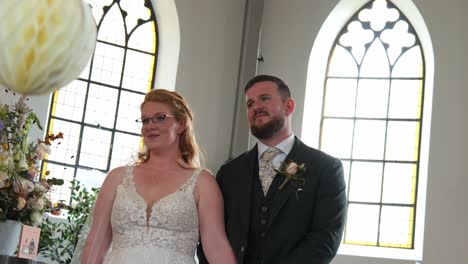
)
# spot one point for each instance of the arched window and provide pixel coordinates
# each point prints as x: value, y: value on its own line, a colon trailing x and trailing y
x: 372, y: 117
x: 97, y: 112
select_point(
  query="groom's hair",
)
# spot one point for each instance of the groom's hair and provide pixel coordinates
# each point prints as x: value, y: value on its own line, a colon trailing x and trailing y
x: 282, y: 86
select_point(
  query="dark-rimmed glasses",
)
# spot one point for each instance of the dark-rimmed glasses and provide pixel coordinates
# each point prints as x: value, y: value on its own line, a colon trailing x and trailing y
x: 157, y: 119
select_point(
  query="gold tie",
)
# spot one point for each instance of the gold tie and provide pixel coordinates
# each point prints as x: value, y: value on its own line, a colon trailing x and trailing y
x: 266, y: 170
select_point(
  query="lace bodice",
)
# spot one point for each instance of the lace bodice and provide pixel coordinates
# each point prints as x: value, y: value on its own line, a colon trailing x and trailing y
x: 172, y: 224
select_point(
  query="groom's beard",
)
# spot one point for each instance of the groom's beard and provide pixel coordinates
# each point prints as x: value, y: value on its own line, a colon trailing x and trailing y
x: 269, y: 129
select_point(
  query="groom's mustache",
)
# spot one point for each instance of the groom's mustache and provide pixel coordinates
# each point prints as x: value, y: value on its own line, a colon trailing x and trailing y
x: 260, y: 112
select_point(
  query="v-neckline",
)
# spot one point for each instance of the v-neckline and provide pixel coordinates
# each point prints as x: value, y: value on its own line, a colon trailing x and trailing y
x: 151, y: 206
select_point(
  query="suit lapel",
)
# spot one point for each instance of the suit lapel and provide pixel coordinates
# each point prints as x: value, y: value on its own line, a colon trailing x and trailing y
x: 281, y: 196
x: 246, y: 174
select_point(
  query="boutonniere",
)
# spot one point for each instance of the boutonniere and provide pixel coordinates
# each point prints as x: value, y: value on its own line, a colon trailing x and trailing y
x: 292, y: 173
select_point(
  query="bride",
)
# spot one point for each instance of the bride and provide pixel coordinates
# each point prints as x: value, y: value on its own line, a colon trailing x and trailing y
x: 156, y: 210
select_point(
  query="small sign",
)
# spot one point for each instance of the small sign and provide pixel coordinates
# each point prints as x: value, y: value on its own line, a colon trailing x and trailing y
x: 29, y: 242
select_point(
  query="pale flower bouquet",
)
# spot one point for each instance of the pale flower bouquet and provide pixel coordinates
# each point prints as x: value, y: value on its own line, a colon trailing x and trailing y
x: 23, y: 192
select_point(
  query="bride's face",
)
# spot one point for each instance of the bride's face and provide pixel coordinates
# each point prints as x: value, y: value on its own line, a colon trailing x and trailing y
x: 160, y: 129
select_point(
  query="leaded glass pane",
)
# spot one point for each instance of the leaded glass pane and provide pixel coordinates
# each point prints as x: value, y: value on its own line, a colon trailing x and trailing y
x: 410, y: 64
x: 396, y: 226
x: 337, y: 137
x: 66, y: 151
x: 95, y: 148
x: 342, y: 63
x: 112, y: 28
x: 101, y: 106
x: 138, y: 71
x: 399, y: 183
x: 363, y: 224
x: 366, y: 182
x: 69, y: 101
x: 369, y: 139
x: 129, y: 111
x: 125, y: 149
x: 61, y: 172
x: 406, y: 99
x: 90, y: 178
x: 402, y: 141
x: 340, y: 97
x: 143, y: 38
x: 373, y: 64
x: 136, y: 10
x: 372, y: 98
x: 107, y: 64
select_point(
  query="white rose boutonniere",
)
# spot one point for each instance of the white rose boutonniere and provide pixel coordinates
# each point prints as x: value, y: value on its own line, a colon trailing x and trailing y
x: 292, y: 173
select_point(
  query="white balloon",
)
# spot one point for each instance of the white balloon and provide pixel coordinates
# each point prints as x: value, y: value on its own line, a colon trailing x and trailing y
x: 44, y: 44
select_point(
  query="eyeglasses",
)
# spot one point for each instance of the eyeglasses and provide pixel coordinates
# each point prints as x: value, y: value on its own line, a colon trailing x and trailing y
x: 157, y: 119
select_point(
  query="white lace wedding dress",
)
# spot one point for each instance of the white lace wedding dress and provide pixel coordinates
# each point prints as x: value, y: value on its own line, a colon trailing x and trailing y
x: 168, y: 235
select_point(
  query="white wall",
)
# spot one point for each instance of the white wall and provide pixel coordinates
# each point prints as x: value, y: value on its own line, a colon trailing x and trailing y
x: 288, y: 31
x: 211, y: 35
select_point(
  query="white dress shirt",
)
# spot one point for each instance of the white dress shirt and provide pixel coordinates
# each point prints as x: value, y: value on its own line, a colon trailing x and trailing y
x: 285, y: 146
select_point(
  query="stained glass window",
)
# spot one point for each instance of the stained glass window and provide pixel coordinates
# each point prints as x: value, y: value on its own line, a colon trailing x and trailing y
x: 372, y: 119
x: 96, y: 112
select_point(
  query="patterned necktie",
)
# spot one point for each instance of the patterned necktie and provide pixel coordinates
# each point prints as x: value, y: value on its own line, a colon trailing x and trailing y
x: 266, y: 170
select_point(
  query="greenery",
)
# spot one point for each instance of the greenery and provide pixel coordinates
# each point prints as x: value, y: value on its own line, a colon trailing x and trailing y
x: 58, y: 240
x: 23, y: 191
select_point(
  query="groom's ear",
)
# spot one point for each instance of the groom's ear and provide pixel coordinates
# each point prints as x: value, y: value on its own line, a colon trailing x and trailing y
x: 289, y: 106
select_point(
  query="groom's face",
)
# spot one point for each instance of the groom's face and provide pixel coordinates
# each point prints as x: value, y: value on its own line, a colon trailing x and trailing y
x: 265, y: 109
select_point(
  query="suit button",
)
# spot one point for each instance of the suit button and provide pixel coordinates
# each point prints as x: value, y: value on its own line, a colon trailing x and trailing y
x: 264, y: 209
x: 263, y: 221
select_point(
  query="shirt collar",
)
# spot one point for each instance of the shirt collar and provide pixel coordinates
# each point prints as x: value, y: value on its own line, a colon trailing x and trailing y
x: 285, y: 146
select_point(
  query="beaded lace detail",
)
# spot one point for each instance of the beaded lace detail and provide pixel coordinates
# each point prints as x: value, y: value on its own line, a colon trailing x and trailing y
x: 171, y: 226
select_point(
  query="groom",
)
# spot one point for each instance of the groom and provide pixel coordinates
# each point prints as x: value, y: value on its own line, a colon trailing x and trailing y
x: 284, y: 202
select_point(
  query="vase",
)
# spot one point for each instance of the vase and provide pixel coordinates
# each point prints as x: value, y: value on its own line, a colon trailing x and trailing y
x: 10, y: 232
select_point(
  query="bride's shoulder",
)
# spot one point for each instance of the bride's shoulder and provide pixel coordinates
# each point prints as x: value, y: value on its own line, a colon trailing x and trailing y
x: 115, y: 176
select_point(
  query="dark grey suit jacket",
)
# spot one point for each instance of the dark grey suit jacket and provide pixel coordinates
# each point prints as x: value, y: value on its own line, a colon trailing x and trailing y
x: 304, y: 226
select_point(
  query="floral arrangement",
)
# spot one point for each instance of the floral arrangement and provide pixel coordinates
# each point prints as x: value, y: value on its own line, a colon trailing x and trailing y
x: 23, y: 193
x: 291, y: 171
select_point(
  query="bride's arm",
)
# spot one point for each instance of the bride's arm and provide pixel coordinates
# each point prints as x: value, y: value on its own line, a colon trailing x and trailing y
x: 100, y: 235
x: 211, y: 220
